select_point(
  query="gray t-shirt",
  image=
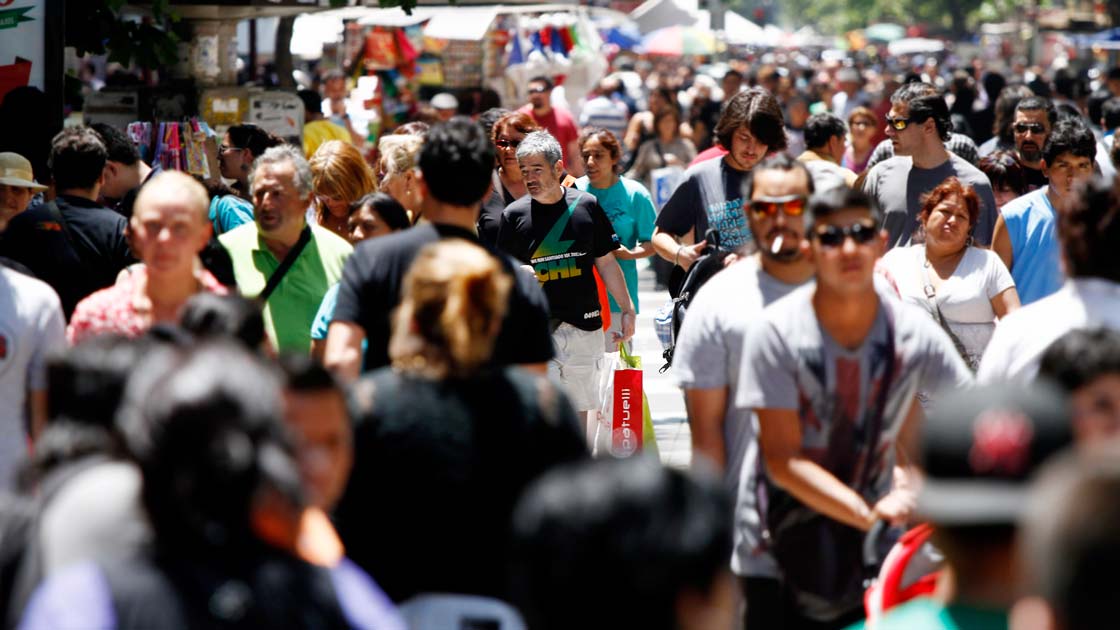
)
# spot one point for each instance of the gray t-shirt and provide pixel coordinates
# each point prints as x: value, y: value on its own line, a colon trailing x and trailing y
x: 707, y: 356
x: 790, y: 362
x: 898, y: 187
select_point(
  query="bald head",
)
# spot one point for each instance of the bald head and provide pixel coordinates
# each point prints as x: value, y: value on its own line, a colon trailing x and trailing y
x: 170, y: 223
x: 178, y: 186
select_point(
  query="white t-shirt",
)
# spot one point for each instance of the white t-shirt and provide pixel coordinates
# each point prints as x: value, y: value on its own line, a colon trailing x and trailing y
x: 1022, y: 337
x: 965, y: 298
x: 31, y: 330
x: 708, y: 355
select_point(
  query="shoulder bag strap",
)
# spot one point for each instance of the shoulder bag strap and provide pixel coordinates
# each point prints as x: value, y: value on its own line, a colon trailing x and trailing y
x: 285, y: 265
x: 931, y: 295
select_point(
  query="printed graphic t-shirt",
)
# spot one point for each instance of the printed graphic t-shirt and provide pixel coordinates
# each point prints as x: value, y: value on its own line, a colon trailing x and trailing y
x: 561, y: 242
x: 710, y: 196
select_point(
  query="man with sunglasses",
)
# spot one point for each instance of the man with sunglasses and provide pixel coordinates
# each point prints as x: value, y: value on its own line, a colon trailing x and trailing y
x: 918, y: 125
x: 708, y: 353
x: 557, y: 122
x: 832, y: 372
x: 1025, y: 235
x: 1035, y: 116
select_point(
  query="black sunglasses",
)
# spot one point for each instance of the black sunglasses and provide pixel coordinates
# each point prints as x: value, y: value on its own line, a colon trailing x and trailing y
x: 1035, y: 128
x: 508, y: 144
x: 834, y: 235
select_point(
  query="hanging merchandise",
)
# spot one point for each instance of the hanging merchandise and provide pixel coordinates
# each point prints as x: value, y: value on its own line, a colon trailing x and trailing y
x: 381, y: 50
x: 430, y: 71
x: 408, y: 53
x: 195, y: 147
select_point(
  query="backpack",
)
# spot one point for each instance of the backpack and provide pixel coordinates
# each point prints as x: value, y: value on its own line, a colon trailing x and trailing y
x: 707, y: 265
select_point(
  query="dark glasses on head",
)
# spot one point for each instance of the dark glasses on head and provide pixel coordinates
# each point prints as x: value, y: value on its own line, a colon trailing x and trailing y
x: 1035, y: 128
x: 834, y: 235
x: 508, y: 144
x: 792, y: 205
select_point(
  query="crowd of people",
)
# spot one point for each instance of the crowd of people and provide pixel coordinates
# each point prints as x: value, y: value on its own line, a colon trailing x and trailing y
x: 327, y: 391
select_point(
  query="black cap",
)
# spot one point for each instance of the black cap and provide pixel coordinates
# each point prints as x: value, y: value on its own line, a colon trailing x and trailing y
x: 981, y: 446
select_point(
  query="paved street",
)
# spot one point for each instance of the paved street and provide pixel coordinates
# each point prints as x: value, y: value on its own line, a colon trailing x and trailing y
x: 665, y: 400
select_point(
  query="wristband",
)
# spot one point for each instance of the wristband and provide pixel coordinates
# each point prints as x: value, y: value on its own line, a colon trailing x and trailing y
x: 677, y: 259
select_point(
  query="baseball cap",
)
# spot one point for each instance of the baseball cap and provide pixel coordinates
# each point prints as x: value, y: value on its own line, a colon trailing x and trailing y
x: 443, y: 100
x: 980, y: 448
x: 15, y: 170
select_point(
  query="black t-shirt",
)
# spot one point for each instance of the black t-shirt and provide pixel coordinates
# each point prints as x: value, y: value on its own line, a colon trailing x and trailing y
x: 371, y: 290
x: 711, y: 195
x: 561, y: 241
x: 1035, y: 178
x: 438, y: 469
x: 99, y: 251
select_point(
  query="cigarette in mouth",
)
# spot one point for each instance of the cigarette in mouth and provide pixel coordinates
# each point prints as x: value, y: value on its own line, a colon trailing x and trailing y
x: 777, y: 246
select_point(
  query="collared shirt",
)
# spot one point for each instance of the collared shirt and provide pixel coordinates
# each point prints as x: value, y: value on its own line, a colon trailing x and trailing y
x: 113, y: 309
x: 292, y: 306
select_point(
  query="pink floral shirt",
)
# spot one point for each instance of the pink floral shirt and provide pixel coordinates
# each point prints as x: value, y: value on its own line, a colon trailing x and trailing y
x: 113, y: 309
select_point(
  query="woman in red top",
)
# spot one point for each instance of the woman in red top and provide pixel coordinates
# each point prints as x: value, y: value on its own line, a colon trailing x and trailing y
x: 169, y: 227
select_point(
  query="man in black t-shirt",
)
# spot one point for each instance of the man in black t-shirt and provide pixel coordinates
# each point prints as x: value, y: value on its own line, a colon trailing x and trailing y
x: 73, y: 243
x: 564, y: 236
x: 455, y: 165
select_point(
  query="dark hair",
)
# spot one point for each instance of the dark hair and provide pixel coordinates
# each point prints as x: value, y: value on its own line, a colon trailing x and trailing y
x: 1037, y: 104
x: 390, y: 210
x: 1115, y: 155
x: 951, y: 186
x: 924, y: 103
x: 1080, y: 356
x: 836, y: 199
x: 608, y: 140
x: 542, y: 79
x: 489, y: 117
x: 1006, y: 104
x: 208, y: 315
x: 254, y: 138
x: 414, y: 128
x: 666, y: 113
x: 77, y: 159
x: 1110, y: 114
x: 456, y: 161
x: 617, y: 530
x: 758, y: 110
x: 1069, y: 540
x: 1004, y: 172
x: 312, y: 101
x: 776, y: 162
x: 820, y: 128
x: 1090, y: 230
x: 304, y: 374
x: 117, y: 145
x: 1069, y: 136
x: 205, y: 427
x: 85, y: 385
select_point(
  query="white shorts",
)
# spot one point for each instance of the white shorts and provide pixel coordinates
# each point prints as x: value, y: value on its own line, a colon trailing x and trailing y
x: 577, y: 364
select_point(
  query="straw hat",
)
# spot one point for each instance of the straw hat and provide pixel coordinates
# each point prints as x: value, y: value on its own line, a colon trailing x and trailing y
x: 15, y: 170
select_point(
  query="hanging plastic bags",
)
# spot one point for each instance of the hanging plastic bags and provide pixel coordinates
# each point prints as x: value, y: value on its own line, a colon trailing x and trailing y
x: 625, y: 424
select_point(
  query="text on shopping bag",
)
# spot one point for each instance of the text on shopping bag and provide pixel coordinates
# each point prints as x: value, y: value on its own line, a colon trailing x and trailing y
x: 626, y: 425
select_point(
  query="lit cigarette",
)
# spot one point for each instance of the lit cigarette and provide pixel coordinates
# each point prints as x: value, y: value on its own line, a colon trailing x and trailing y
x: 777, y: 246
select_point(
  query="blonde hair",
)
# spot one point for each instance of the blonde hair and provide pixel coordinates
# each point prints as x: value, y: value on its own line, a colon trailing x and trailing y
x: 338, y: 170
x: 400, y: 152
x: 452, y: 305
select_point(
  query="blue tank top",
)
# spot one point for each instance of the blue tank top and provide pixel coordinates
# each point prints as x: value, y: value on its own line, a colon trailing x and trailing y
x: 1035, y: 263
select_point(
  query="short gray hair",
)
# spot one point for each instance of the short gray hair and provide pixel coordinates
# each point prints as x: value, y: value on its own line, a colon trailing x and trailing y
x: 286, y: 153
x: 540, y: 143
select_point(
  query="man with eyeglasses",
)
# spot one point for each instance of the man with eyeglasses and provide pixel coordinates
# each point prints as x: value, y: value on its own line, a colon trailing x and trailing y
x: 707, y: 357
x: 918, y: 125
x: 1025, y: 234
x: 1034, y: 117
x: 557, y: 122
x: 832, y: 372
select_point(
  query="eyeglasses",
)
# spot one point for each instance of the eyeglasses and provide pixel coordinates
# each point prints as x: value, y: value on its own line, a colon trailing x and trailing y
x: 225, y: 148
x: 1036, y: 128
x: 538, y: 90
x: 899, y: 123
x: 834, y: 235
x: 792, y: 205
x: 325, y: 200
x: 508, y: 144
x: 865, y: 123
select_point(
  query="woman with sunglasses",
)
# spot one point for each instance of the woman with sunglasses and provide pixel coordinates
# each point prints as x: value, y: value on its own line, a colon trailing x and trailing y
x: 508, y: 133
x: 241, y: 146
x: 962, y: 287
x: 627, y: 204
x: 862, y: 127
x: 340, y: 176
